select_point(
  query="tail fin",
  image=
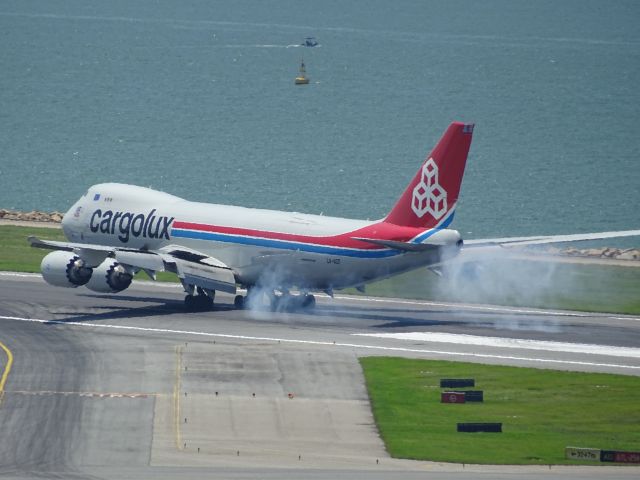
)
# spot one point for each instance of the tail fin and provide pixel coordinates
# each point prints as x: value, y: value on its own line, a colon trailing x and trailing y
x: 430, y: 199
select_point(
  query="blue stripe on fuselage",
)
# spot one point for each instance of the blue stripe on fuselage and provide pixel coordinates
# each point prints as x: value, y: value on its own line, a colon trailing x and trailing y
x: 282, y: 244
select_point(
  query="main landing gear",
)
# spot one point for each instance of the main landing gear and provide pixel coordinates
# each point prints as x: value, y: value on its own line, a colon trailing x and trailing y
x: 199, y: 300
x: 198, y: 303
x: 284, y: 302
x: 292, y: 303
x: 240, y: 302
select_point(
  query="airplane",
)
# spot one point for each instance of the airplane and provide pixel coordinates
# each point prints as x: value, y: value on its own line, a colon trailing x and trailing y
x: 116, y: 230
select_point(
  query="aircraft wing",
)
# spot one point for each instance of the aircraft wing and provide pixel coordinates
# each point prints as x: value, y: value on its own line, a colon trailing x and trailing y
x: 198, y: 269
x: 539, y: 240
x: 191, y: 266
x: 66, y: 246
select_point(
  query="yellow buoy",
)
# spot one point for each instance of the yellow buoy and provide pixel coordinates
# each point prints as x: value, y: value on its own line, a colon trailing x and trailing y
x: 302, y: 78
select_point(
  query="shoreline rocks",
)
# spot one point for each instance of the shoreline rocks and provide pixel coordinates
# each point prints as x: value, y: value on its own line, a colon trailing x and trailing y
x: 603, y: 252
x: 33, y: 216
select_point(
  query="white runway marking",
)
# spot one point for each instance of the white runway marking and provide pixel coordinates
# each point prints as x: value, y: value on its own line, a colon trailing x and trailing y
x: 549, y: 346
x: 488, y: 308
x: 320, y: 343
x: 18, y: 274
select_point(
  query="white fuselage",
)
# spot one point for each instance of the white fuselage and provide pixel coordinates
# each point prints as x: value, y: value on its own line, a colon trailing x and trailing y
x: 261, y: 246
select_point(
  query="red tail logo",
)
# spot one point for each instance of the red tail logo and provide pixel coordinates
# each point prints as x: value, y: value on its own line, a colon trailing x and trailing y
x: 430, y: 199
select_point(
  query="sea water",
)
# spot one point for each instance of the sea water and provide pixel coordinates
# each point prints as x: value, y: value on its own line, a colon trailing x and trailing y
x: 197, y: 98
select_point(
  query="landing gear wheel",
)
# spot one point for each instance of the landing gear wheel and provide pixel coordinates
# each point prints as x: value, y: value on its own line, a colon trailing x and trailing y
x: 284, y: 303
x: 275, y: 302
x: 190, y: 303
x: 239, y: 302
x: 206, y: 302
x: 198, y: 303
x: 309, y: 302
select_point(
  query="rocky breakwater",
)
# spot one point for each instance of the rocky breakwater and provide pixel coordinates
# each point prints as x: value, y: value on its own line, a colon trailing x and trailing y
x: 33, y: 216
x: 603, y: 252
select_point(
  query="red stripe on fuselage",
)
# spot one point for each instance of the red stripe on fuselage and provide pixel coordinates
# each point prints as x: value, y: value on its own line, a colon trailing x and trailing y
x: 381, y: 231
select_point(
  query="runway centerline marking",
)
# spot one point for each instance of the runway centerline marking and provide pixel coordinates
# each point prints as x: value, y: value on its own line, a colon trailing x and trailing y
x: 488, y: 308
x: 319, y: 343
x: 7, y: 369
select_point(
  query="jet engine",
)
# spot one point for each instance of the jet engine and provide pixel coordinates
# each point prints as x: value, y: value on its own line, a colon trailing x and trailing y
x: 110, y: 277
x: 64, y: 269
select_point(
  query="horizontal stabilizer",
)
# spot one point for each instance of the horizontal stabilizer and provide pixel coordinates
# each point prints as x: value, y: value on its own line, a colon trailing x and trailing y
x: 402, y: 246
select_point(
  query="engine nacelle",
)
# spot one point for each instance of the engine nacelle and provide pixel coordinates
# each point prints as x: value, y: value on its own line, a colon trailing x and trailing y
x: 65, y: 269
x: 109, y: 277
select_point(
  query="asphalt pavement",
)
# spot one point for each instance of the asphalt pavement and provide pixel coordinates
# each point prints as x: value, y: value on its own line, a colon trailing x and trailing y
x: 131, y: 386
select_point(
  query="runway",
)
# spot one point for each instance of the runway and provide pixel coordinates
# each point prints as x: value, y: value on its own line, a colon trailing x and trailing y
x: 128, y: 385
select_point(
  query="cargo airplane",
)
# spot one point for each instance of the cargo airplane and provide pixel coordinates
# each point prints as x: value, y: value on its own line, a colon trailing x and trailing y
x: 115, y: 230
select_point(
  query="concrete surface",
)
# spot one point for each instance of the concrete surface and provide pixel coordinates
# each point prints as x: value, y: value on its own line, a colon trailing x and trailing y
x: 102, y: 393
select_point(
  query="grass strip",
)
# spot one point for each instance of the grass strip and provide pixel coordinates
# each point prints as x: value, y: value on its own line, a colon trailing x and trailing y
x: 16, y: 255
x: 542, y: 412
x: 524, y: 283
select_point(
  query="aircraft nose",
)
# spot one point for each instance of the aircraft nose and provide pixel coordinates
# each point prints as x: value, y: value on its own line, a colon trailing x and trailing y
x: 66, y: 222
x: 66, y: 218
x: 71, y: 220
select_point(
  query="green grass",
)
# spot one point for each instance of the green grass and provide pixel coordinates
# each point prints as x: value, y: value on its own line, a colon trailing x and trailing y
x: 551, y: 285
x: 542, y: 412
x: 16, y: 255
x: 530, y: 283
